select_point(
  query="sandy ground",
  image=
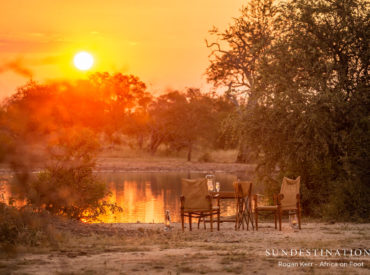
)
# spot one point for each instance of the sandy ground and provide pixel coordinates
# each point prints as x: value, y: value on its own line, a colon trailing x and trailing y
x: 148, y: 249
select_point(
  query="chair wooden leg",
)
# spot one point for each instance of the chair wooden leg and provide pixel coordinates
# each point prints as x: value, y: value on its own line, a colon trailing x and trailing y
x: 251, y: 219
x: 190, y: 222
x: 218, y: 220
x: 299, y: 218
x: 243, y: 214
x: 250, y: 214
x: 182, y: 220
x: 242, y: 218
x: 248, y: 220
x: 237, y: 215
x: 256, y: 213
x: 246, y: 214
x: 211, y: 220
x: 199, y: 219
x: 275, y: 217
x: 280, y: 214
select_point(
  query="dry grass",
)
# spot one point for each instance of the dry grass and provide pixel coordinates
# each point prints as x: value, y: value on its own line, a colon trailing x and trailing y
x: 146, y: 248
x: 126, y: 152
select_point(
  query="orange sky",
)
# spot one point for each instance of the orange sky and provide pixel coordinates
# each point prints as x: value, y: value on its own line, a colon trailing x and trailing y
x: 162, y: 42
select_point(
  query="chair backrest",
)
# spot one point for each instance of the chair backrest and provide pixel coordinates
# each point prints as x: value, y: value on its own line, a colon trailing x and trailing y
x: 290, y: 189
x: 195, y: 192
x: 243, y: 188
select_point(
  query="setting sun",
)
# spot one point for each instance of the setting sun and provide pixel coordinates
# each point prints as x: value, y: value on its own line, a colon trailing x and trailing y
x: 83, y: 61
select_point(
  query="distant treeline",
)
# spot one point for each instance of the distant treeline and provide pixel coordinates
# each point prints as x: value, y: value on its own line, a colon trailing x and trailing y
x: 116, y: 107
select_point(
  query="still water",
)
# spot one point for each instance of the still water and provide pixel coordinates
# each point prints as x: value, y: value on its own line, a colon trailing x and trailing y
x: 145, y: 196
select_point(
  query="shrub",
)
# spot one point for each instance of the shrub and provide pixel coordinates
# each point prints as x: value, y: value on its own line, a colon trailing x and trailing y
x: 21, y: 226
x: 74, y: 192
x: 68, y: 186
x: 206, y: 157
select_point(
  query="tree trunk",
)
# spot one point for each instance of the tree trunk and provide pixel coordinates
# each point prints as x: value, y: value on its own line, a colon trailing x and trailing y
x: 155, y: 141
x: 140, y: 141
x: 190, y: 149
x: 242, y: 156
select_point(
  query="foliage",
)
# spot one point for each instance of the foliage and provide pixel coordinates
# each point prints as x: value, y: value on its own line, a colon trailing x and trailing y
x: 22, y: 226
x: 206, y: 157
x: 68, y: 186
x: 103, y: 103
x: 235, y: 59
x: 308, y: 110
x: 113, y: 106
x: 125, y: 103
x: 183, y: 120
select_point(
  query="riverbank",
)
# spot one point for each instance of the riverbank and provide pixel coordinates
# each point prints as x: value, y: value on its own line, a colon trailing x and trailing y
x: 127, y: 160
x: 113, y: 164
x: 123, y: 159
x: 148, y: 249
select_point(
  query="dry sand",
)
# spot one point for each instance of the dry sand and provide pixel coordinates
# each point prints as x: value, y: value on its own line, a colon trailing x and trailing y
x: 148, y: 249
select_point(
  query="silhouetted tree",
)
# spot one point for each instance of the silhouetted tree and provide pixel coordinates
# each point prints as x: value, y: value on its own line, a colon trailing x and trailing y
x: 310, y: 115
x: 182, y: 120
x: 126, y: 102
x: 235, y: 58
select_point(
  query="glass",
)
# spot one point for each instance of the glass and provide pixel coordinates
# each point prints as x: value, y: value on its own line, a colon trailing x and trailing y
x: 210, y: 182
x: 217, y: 187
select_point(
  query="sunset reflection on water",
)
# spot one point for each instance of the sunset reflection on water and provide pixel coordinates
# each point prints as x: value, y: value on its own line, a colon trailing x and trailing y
x: 144, y: 197
x: 140, y: 203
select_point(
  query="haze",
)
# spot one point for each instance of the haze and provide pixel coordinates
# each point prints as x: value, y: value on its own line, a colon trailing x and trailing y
x: 162, y: 42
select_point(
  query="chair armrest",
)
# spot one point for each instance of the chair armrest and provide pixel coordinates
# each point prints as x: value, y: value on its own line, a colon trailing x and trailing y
x: 279, y: 198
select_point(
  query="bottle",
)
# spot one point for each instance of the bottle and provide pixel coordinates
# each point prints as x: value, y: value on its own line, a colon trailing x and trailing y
x: 293, y: 219
x: 167, y: 220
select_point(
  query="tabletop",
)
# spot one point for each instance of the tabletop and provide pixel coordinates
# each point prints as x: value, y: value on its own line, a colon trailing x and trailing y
x: 223, y: 194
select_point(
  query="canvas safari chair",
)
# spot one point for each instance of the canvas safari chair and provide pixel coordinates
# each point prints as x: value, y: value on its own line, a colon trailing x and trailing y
x: 287, y: 200
x: 243, y: 197
x: 196, y: 202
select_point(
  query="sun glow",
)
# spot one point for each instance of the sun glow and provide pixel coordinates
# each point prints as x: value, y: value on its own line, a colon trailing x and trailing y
x: 83, y: 61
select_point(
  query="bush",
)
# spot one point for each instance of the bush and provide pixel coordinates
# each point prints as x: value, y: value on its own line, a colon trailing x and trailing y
x: 206, y: 157
x: 73, y: 192
x: 68, y: 186
x: 21, y: 226
x: 350, y: 201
